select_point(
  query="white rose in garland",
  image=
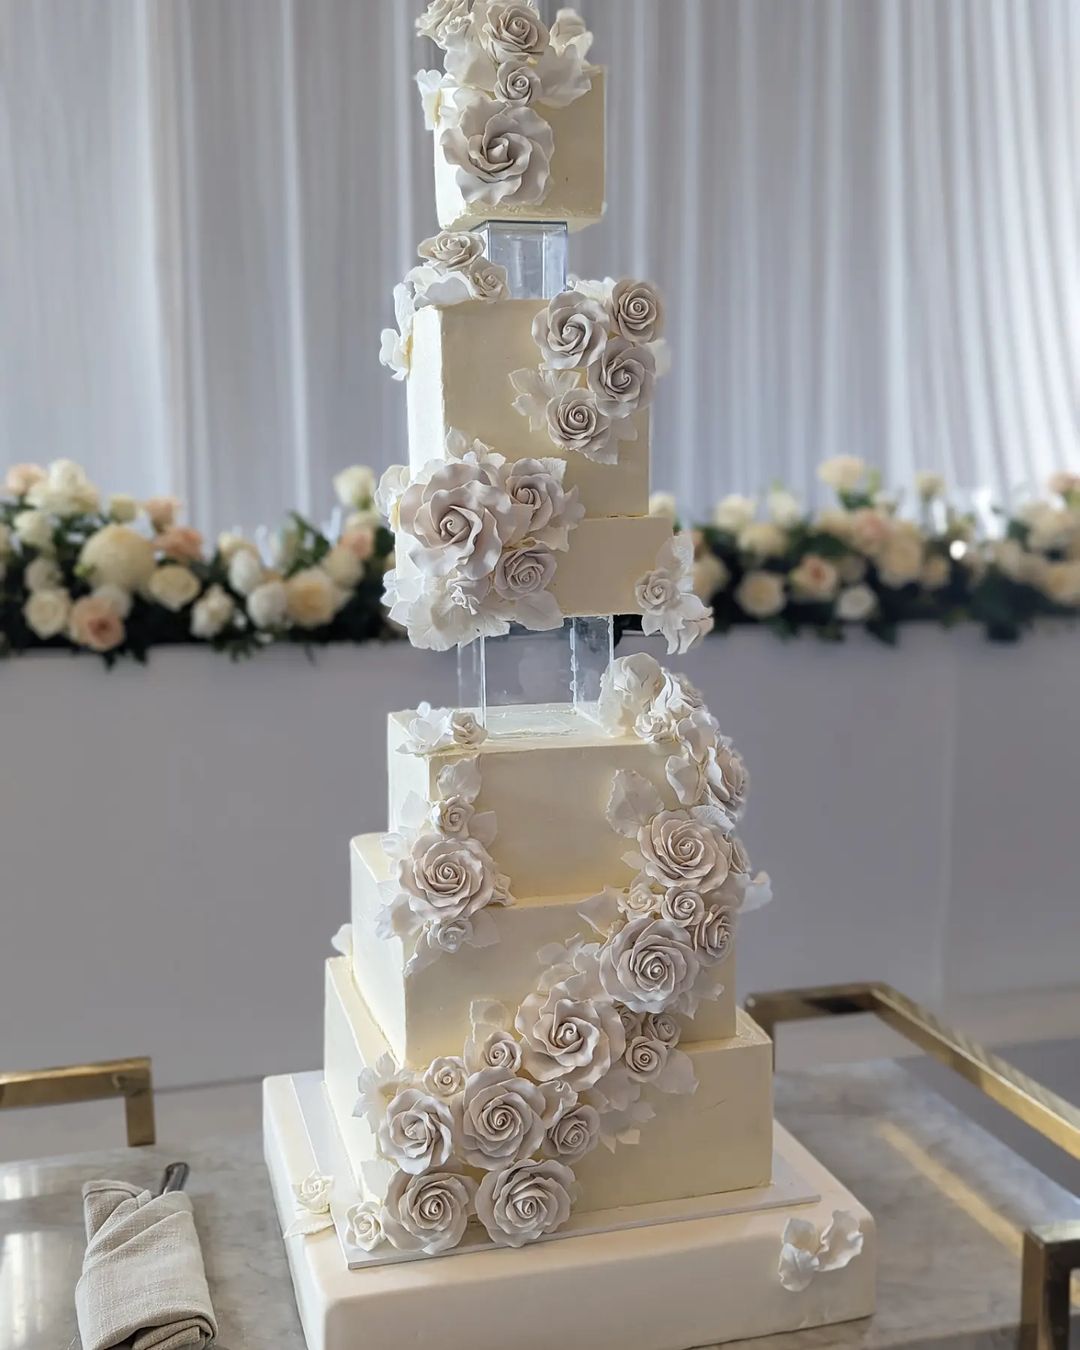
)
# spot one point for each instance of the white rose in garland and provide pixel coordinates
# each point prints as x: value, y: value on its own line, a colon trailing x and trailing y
x: 572, y: 331
x: 268, y: 604
x: 427, y: 1213
x: 502, y: 152
x: 46, y: 612
x: 212, y: 613
x: 525, y: 1202
x: 64, y: 491
x: 42, y: 574
x: 761, y: 594
x: 417, y: 1131
x: 173, y: 586
x: 576, y: 1039
x: 500, y: 1119
x: 118, y: 556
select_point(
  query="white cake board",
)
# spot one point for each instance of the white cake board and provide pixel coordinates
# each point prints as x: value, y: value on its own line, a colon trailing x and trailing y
x: 686, y: 1274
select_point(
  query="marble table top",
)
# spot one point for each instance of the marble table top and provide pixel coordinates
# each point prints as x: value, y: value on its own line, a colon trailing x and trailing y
x: 951, y: 1203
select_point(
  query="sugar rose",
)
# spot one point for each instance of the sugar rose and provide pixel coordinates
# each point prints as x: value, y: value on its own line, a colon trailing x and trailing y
x: 525, y: 1202
x: 682, y: 848
x: 501, y: 1119
x: 571, y: 331
x: 637, y: 311
x: 649, y: 965
x: 577, y: 1039
x: 427, y: 1213
x: 417, y: 1131
x: 502, y: 152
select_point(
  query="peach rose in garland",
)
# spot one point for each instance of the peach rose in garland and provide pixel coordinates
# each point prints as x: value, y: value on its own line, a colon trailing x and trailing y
x: 525, y: 1202
x: 20, y: 478
x: 815, y: 579
x: 427, y: 1213
x: 181, y: 543
x: 649, y: 965
x: 94, y: 623
x: 502, y: 152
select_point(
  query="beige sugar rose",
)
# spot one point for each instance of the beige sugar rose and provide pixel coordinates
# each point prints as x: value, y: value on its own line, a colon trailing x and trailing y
x: 686, y: 847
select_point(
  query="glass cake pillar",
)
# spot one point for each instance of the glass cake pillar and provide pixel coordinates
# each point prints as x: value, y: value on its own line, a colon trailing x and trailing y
x: 531, y: 683
x: 533, y: 253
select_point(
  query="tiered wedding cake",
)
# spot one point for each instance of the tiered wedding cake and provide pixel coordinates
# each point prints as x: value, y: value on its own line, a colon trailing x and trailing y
x: 542, y: 1115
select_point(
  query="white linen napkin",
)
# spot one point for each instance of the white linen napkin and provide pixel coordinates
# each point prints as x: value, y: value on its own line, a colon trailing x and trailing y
x: 143, y: 1283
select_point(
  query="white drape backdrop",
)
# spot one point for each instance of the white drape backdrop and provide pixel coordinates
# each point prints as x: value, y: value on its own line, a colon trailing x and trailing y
x: 865, y: 215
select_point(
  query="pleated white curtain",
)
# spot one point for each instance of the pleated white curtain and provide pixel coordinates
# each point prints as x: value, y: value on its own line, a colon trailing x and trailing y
x: 865, y: 215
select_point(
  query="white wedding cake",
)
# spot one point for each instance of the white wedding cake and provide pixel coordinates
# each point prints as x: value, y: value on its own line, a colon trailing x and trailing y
x: 542, y: 1114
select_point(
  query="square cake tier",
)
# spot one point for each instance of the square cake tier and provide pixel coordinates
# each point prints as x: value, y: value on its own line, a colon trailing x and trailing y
x: 425, y: 1013
x: 576, y: 188
x: 459, y: 379
x: 716, y: 1138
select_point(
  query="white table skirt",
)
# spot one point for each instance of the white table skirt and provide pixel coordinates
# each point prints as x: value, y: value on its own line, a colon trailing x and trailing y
x: 174, y: 841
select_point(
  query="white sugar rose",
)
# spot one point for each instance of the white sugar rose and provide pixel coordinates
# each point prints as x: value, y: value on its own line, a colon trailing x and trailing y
x: 649, y: 965
x: 173, y: 586
x: 449, y: 878
x: 512, y: 31
x: 212, y: 613
x: 363, y: 1225
x: 569, y: 32
x: 761, y: 594
x: 524, y: 570
x: 637, y: 311
x: 267, y: 605
x: 313, y: 1193
x: 815, y: 579
x: 574, y: 1134
x: 311, y: 598
x: 646, y: 1058
x: 502, y: 152
x: 453, y: 815
x: 661, y: 1027
x: 572, y: 1038
x: 622, y: 378
x: 500, y: 1120
x: 628, y: 686
x: 452, y: 250
x: 445, y: 1077
x: 516, y: 82
x: 465, y: 730
x: 686, y: 848
x: 728, y: 778
x: 440, y: 18
x: 532, y: 484
x: 417, y: 1132
x: 117, y: 556
x: 572, y: 331
x: 46, y: 612
x: 460, y: 519
x: 487, y: 281
x: 427, y: 1213
x: 498, y: 1050
x: 526, y: 1202
x: 714, y: 933
x: 682, y: 905
x: 575, y: 422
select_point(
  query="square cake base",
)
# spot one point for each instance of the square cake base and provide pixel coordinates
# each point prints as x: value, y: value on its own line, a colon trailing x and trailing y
x: 652, y: 1281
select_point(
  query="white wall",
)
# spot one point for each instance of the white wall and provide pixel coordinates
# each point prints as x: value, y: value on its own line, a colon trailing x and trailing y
x: 863, y: 213
x: 175, y: 840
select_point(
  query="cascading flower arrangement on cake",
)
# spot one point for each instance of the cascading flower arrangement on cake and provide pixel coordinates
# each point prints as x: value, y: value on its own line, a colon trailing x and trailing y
x: 531, y: 1033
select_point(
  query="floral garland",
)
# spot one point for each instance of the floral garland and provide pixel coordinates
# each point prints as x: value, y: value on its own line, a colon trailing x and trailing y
x: 861, y: 565
x: 117, y: 577
x: 495, y: 1132
x: 502, y: 67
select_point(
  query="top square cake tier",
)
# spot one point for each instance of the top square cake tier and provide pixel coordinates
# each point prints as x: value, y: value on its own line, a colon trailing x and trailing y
x: 575, y: 191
